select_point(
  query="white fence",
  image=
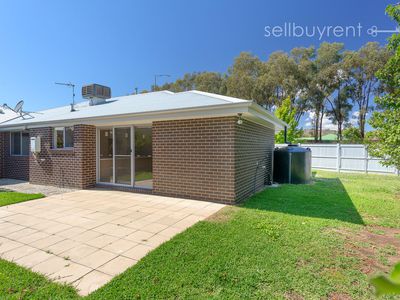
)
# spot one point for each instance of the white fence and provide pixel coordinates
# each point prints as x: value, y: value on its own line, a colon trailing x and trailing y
x: 345, y: 157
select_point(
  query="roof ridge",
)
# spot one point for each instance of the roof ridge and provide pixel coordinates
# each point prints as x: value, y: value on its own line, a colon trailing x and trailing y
x: 218, y: 96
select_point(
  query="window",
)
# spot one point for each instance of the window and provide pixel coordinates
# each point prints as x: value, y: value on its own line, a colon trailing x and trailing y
x: 64, y: 137
x: 19, y: 143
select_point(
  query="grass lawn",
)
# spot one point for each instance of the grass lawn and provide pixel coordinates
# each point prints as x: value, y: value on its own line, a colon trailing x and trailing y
x: 139, y: 176
x: 7, y: 198
x: 317, y: 241
x: 19, y: 283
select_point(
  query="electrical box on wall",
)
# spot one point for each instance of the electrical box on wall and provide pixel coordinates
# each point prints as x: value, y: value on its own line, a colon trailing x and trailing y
x: 35, y: 144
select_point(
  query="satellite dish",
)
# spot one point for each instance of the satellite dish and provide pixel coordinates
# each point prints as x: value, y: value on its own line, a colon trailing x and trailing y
x: 18, y: 106
x: 17, y: 109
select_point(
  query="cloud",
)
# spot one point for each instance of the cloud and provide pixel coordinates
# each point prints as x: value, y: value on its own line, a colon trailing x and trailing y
x: 326, y: 123
x: 307, y: 121
x: 354, y: 118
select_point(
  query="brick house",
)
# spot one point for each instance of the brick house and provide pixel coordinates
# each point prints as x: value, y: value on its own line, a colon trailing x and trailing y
x: 191, y: 144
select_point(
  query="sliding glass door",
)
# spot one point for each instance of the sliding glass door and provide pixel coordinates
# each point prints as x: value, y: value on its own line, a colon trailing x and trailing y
x: 106, y: 157
x: 143, y: 157
x: 115, y: 155
x: 124, y: 156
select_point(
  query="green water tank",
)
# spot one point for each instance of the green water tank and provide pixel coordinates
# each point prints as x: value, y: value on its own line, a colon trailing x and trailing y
x: 292, y: 164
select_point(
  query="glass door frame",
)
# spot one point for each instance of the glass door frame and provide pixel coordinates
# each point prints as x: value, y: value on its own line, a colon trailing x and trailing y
x: 132, y: 144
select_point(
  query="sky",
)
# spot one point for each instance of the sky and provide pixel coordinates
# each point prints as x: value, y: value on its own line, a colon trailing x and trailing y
x: 123, y: 44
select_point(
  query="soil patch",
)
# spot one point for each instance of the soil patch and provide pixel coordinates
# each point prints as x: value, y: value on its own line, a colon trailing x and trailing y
x: 377, y: 247
x: 224, y: 215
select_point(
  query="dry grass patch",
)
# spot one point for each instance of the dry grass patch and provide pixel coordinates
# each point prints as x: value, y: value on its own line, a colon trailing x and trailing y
x: 224, y: 215
x: 378, y: 248
x: 339, y: 296
x: 293, y: 296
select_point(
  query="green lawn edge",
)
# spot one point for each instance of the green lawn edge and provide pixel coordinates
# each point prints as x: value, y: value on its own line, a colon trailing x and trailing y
x: 9, y: 197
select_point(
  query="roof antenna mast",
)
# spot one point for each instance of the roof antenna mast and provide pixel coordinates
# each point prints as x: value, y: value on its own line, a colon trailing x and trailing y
x: 71, y: 85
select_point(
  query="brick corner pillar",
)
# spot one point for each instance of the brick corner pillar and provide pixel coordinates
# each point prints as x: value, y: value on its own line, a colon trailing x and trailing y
x: 85, y: 154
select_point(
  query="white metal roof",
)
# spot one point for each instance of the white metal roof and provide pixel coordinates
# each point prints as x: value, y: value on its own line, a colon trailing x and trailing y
x: 7, y: 114
x: 140, y: 104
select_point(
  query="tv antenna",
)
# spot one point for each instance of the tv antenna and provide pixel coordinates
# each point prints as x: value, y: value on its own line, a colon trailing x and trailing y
x: 71, y: 85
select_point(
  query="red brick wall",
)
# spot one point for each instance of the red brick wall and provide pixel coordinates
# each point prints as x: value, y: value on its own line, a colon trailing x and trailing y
x: 15, y: 167
x: 85, y: 150
x: 254, y: 146
x: 195, y: 159
x: 66, y: 167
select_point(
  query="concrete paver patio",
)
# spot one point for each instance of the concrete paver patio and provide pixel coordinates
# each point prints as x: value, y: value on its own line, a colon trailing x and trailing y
x: 87, y: 237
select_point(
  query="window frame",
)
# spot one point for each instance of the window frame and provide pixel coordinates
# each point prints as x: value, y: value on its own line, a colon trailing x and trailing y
x: 63, y: 129
x: 20, y: 145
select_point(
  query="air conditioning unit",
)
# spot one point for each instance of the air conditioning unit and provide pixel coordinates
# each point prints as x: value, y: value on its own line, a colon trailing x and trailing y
x: 96, y: 93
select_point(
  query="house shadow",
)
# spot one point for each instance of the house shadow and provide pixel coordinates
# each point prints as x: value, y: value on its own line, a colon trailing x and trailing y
x: 10, y: 181
x: 325, y: 198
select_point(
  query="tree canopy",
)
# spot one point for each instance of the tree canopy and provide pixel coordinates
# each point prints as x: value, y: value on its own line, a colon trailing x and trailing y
x: 384, y: 141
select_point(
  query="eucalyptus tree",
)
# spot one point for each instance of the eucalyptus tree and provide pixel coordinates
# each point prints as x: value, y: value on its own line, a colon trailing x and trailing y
x: 316, y: 105
x: 243, y: 75
x: 186, y: 83
x: 211, y: 82
x: 322, y: 82
x: 305, y: 74
x: 364, y: 84
x: 277, y: 81
x: 339, y: 104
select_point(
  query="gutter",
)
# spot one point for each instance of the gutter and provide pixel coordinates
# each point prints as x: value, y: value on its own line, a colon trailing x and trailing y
x: 159, y: 113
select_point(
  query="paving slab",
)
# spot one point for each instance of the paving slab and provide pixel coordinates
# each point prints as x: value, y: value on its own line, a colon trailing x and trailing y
x: 86, y: 237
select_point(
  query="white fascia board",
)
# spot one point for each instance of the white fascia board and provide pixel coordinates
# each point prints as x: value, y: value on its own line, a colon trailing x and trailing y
x: 260, y: 121
x: 142, y: 118
x: 178, y: 115
x: 260, y: 112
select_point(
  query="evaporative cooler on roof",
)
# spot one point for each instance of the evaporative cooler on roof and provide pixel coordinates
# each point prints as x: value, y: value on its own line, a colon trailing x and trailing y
x: 96, y: 93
